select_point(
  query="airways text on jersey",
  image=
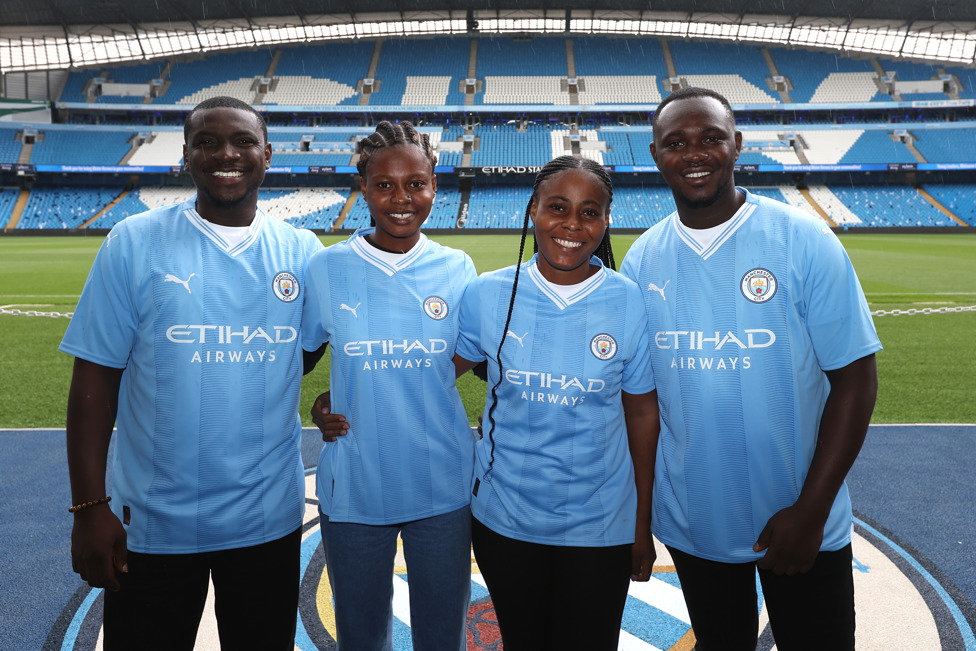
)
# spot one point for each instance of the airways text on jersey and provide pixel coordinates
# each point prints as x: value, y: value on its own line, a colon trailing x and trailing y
x: 552, y: 388
x: 243, y: 344
x: 691, y: 340
x: 387, y: 354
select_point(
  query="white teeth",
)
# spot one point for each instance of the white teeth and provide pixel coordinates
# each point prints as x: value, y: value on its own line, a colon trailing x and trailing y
x: 229, y: 175
x: 402, y: 215
x: 567, y: 243
x: 696, y: 175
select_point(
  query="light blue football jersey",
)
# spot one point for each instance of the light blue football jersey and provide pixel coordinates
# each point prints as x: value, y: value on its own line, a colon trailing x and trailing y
x: 391, y: 322
x: 207, y: 453
x: 562, y: 471
x: 741, y: 334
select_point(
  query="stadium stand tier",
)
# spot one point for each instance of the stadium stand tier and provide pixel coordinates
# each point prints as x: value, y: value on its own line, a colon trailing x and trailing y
x: 521, y: 86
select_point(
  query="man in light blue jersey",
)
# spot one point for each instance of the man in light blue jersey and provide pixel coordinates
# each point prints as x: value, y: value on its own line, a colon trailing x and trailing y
x: 763, y: 349
x: 188, y: 336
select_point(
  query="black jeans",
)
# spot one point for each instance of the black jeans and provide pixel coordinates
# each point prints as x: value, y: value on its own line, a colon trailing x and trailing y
x: 812, y: 611
x: 552, y: 598
x: 161, y: 600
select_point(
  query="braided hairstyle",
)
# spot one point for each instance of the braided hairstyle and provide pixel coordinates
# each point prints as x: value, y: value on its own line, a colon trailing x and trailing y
x: 391, y: 135
x: 603, y: 251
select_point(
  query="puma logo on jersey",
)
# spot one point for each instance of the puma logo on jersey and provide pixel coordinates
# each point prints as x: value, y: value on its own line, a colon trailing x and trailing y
x: 517, y: 338
x: 660, y: 290
x: 351, y: 309
x: 170, y: 278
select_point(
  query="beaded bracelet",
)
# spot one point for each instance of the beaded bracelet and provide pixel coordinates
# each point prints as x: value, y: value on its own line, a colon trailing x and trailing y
x: 85, y: 505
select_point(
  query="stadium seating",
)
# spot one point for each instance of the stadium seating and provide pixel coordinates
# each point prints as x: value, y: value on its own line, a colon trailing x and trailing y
x: 946, y: 145
x: 230, y: 74
x: 960, y: 199
x: 837, y: 210
x: 69, y: 207
x: 316, y: 208
x: 165, y: 148
x: 877, y: 146
x: 967, y: 77
x: 640, y: 206
x: 878, y: 205
x: 530, y: 72
x: 8, y: 197
x: 422, y: 72
x: 9, y: 146
x: 696, y: 63
x: 124, y: 74
x: 619, y: 71
x: 820, y: 77
x: 522, y: 72
x: 497, y: 206
x: 324, y: 74
x: 81, y: 148
x: 504, y: 145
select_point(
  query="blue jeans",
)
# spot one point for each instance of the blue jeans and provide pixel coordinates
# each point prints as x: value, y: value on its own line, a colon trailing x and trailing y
x: 359, y: 559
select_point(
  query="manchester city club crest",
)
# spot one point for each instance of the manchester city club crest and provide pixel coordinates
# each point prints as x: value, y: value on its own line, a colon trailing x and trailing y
x: 758, y: 285
x: 435, y: 307
x: 286, y: 287
x: 603, y: 346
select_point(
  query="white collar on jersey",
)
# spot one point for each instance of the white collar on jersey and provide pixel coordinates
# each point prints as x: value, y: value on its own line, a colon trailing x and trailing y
x: 388, y: 263
x: 707, y: 241
x: 565, y: 295
x: 230, y: 240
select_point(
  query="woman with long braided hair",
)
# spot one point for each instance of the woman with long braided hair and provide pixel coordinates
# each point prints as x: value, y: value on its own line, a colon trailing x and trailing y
x: 398, y: 454
x: 562, y: 488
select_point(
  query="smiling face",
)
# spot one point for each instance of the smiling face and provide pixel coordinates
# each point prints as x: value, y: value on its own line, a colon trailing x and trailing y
x: 399, y: 188
x: 571, y: 213
x: 695, y: 147
x: 227, y: 156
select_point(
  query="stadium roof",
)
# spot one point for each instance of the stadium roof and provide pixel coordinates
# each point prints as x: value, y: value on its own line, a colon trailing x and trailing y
x: 59, y: 34
x: 134, y: 12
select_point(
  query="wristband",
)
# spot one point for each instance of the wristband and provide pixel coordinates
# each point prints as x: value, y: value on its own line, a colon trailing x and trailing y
x: 85, y: 505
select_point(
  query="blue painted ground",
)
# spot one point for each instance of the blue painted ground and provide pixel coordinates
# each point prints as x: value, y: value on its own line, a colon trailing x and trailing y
x: 913, y: 484
x: 916, y: 485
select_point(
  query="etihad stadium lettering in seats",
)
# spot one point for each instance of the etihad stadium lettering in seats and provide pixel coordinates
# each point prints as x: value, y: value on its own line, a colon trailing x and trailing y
x: 510, y: 169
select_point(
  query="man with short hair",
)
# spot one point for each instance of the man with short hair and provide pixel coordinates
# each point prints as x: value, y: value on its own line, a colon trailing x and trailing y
x: 188, y: 333
x: 763, y: 353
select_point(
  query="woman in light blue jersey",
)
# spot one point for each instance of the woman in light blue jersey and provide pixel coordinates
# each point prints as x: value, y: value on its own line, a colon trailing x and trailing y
x: 398, y: 461
x: 561, y: 496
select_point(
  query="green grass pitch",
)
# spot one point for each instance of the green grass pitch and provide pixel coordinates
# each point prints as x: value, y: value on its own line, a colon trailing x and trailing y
x: 927, y: 370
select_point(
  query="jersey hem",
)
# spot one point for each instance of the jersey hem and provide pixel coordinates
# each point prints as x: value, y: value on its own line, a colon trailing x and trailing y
x: 217, y: 547
x: 543, y: 540
x: 751, y: 557
x: 384, y: 522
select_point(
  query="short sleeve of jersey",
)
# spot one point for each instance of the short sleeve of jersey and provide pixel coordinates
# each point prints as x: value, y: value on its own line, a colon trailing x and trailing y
x: 469, y: 343
x: 835, y: 310
x: 104, y: 324
x: 316, y: 306
x: 638, y: 376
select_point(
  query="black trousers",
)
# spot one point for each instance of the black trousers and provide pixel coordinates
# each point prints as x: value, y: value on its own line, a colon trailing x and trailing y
x: 161, y: 600
x: 807, y: 612
x: 553, y: 598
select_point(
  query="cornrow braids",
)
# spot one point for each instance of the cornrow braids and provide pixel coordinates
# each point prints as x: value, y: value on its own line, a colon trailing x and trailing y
x: 603, y: 251
x: 388, y: 134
